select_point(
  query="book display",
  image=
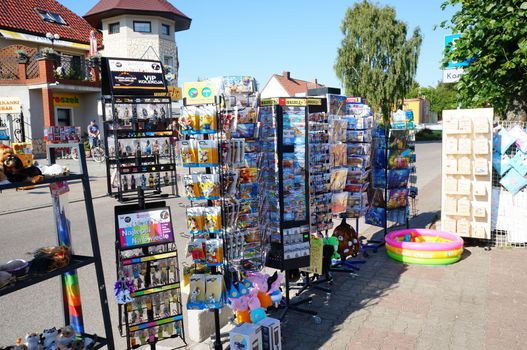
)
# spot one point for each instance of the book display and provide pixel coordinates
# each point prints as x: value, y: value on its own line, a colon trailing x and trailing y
x: 467, y: 171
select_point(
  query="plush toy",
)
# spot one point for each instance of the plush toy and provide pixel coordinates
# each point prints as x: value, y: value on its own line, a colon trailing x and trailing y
x: 65, y: 338
x: 257, y: 311
x: 48, y: 338
x: 32, y: 341
x: 14, y: 169
x: 333, y: 241
x: 349, y: 244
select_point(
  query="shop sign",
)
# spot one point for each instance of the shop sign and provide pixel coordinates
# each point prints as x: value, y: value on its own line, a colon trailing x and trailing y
x: 201, y: 92
x: 174, y: 92
x: 134, y: 77
x: 66, y: 100
x: 9, y: 105
x: 450, y: 41
x: 452, y: 75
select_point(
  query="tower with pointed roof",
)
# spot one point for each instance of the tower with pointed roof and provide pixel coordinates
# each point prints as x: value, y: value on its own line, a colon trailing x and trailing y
x: 139, y: 29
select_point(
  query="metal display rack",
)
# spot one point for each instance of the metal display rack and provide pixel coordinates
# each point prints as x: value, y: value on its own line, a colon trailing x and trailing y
x: 504, y: 226
x: 139, y: 144
x: 285, y: 224
x: 76, y: 261
x: 157, y: 312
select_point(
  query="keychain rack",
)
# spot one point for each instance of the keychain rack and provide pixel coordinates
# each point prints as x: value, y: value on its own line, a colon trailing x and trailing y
x: 154, y: 270
x: 126, y: 120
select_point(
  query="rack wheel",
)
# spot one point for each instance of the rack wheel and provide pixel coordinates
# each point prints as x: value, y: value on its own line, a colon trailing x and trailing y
x: 487, y: 249
x: 317, y: 320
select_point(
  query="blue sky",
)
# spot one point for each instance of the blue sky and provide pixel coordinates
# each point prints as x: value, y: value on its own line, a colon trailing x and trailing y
x: 260, y: 38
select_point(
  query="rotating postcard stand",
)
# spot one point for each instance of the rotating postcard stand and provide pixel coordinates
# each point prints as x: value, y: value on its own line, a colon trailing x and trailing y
x: 146, y: 255
x: 284, y: 188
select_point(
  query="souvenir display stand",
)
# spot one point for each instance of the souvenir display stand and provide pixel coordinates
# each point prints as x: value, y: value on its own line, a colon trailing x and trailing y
x: 72, y: 300
x: 138, y: 142
x: 467, y: 172
x: 509, y: 195
x: 137, y: 132
x: 147, y: 259
x: 393, y: 162
x: 139, y: 146
x: 206, y: 218
x: 284, y: 186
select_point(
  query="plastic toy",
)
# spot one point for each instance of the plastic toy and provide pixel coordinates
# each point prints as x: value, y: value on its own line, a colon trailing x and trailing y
x: 425, y: 247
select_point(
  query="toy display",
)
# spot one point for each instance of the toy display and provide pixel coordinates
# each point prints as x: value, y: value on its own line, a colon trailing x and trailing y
x: 53, y: 338
x: 468, y: 161
x: 139, y: 141
x: 246, y: 336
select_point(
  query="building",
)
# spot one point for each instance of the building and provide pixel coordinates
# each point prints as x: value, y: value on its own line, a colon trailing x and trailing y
x: 421, y: 109
x: 139, y: 29
x: 63, y: 89
x: 53, y: 89
x: 286, y: 86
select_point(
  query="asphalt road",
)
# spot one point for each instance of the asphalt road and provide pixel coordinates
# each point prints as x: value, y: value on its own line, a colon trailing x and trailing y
x: 24, y: 229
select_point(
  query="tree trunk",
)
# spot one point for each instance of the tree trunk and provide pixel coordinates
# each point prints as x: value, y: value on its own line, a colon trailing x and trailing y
x: 517, y: 111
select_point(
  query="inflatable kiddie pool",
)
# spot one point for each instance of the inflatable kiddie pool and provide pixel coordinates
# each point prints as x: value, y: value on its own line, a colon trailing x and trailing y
x: 423, y: 246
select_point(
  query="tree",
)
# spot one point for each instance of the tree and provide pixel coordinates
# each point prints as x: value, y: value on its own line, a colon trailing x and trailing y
x: 494, y: 39
x: 376, y: 60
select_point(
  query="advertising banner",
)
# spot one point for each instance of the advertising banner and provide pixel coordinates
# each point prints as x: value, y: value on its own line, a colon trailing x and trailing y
x: 199, y: 92
x: 9, y: 105
x: 145, y: 227
x: 132, y: 77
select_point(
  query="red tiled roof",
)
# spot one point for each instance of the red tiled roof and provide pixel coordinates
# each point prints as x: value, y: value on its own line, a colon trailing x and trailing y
x: 20, y: 15
x: 108, y: 8
x: 295, y: 86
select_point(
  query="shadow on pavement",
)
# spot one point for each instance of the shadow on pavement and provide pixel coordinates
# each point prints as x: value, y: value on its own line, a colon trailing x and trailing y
x: 349, y: 306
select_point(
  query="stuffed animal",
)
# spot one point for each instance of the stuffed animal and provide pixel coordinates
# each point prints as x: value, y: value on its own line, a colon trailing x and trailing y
x: 32, y: 341
x: 65, y: 338
x: 48, y: 338
x: 349, y: 244
x: 14, y: 169
x: 3, y: 148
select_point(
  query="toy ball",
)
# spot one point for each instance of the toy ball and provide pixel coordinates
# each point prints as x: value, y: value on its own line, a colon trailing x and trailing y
x: 257, y: 315
x: 407, y: 238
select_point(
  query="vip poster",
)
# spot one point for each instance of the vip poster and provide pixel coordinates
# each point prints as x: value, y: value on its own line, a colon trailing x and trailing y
x: 132, y: 77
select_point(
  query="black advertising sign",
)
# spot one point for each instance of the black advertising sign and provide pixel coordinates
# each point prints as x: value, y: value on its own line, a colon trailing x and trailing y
x: 132, y: 77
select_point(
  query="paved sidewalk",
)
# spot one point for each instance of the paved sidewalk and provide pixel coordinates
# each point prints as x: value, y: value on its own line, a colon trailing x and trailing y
x: 478, y: 303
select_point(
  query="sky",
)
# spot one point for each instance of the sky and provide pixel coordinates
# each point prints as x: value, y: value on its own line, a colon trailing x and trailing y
x: 260, y: 38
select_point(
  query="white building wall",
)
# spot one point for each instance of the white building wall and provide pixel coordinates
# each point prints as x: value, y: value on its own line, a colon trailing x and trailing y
x: 130, y: 44
x: 273, y: 89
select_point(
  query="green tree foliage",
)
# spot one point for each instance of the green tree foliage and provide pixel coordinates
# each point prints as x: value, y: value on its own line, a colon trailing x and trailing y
x: 376, y: 59
x: 441, y: 97
x: 494, y: 37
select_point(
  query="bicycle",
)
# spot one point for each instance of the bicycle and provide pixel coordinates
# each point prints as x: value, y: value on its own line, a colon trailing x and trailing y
x: 97, y: 152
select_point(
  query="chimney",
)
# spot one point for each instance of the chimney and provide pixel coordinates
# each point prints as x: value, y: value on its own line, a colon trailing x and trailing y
x: 315, y: 81
x: 286, y: 74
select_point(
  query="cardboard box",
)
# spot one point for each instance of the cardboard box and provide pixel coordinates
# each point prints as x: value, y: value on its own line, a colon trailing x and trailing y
x: 246, y: 336
x: 271, y: 336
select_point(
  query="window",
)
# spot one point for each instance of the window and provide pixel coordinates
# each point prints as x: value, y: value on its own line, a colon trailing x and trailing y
x: 51, y: 17
x: 168, y: 61
x: 142, y: 27
x: 165, y: 29
x: 64, y: 117
x: 114, y: 28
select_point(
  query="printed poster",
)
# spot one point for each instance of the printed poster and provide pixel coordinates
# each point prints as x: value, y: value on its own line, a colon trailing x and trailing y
x: 144, y: 228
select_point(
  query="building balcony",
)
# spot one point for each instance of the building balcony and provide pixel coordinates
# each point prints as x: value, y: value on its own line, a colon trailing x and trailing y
x: 34, y: 70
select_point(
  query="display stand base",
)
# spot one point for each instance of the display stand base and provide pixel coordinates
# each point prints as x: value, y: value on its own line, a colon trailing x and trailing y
x: 314, y: 283
x: 288, y: 304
